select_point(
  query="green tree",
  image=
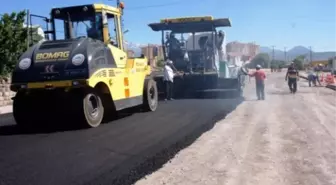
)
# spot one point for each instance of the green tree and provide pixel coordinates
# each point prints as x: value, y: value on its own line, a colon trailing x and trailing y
x: 281, y: 63
x: 274, y: 64
x: 160, y: 62
x: 262, y: 59
x: 298, y: 62
x: 12, y: 40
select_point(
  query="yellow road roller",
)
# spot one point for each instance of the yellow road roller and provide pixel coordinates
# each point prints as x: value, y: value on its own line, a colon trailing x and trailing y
x: 81, y: 71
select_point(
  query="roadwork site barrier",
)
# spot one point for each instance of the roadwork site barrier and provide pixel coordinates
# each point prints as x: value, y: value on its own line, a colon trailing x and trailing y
x: 328, y: 81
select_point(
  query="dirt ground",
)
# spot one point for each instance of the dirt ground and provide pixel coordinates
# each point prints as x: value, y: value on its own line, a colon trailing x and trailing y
x: 285, y: 140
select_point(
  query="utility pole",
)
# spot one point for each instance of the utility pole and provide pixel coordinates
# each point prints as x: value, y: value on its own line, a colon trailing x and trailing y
x: 310, y: 54
x: 285, y: 54
x: 118, y: 6
x: 272, y: 55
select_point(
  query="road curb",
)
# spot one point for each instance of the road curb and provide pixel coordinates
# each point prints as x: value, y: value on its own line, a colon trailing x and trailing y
x: 304, y: 77
x: 333, y: 87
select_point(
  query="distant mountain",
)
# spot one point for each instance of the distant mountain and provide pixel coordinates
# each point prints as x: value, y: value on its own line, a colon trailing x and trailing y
x: 297, y: 51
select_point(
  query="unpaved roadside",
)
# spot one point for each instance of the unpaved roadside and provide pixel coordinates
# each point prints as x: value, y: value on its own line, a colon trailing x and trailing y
x: 6, y: 109
x: 285, y: 140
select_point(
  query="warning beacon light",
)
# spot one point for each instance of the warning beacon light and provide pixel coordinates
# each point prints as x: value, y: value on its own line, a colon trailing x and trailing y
x: 122, y: 5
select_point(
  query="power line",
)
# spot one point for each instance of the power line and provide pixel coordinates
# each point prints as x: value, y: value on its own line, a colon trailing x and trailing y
x: 310, y: 54
x: 156, y: 6
x: 273, y: 52
x: 150, y: 6
x: 269, y: 64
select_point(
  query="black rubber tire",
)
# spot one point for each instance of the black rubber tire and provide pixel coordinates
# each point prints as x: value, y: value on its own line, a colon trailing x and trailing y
x: 150, y: 96
x: 87, y: 120
x: 110, y: 112
x: 240, y: 92
x: 23, y: 110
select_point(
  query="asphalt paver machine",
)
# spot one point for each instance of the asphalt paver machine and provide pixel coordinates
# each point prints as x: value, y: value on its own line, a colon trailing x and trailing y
x: 200, y: 59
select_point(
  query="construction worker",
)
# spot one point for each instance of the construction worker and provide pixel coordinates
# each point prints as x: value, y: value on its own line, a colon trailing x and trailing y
x: 279, y: 68
x: 95, y: 31
x: 174, y: 47
x: 168, y: 79
x: 319, y: 70
x: 292, y: 76
x: 311, y: 76
x: 260, y: 77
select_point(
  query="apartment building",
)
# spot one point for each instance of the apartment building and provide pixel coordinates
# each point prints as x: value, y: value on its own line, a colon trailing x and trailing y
x: 245, y: 51
x: 153, y: 53
x: 130, y: 53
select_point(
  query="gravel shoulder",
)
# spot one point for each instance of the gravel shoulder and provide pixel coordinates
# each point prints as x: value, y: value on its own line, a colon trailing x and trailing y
x: 286, y: 139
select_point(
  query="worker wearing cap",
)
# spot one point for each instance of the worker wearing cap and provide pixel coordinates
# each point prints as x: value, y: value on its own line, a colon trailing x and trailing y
x: 292, y: 76
x: 319, y: 71
x: 260, y: 77
x: 168, y: 79
x: 311, y: 76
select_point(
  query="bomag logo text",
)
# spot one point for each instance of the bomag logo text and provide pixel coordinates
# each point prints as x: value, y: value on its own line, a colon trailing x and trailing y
x: 53, y: 56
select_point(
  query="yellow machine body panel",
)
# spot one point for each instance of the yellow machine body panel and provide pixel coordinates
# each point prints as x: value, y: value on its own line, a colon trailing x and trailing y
x: 125, y: 81
x: 123, y: 76
x: 86, y: 74
x: 101, y: 7
x: 119, y: 55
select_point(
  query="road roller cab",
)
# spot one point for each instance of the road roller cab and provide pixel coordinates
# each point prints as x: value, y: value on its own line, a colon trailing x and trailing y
x: 83, y: 70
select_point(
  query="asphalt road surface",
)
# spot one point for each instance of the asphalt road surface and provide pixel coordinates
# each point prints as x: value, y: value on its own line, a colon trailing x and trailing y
x: 285, y: 140
x: 119, y: 152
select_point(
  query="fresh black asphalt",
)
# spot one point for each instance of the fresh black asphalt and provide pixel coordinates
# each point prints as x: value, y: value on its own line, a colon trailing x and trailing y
x: 119, y: 152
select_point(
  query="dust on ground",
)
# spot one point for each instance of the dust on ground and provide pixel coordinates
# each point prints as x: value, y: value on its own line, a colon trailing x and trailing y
x: 285, y: 140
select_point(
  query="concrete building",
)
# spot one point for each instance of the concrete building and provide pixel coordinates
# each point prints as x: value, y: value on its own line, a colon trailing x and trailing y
x: 317, y: 62
x: 242, y: 51
x: 247, y: 49
x: 153, y: 53
x: 130, y: 53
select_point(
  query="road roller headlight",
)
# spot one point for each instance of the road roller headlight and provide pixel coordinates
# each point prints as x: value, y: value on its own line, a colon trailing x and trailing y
x: 75, y: 83
x: 78, y: 59
x: 25, y: 63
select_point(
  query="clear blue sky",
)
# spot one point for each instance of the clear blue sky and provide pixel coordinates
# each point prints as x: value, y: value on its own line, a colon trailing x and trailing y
x: 283, y: 23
